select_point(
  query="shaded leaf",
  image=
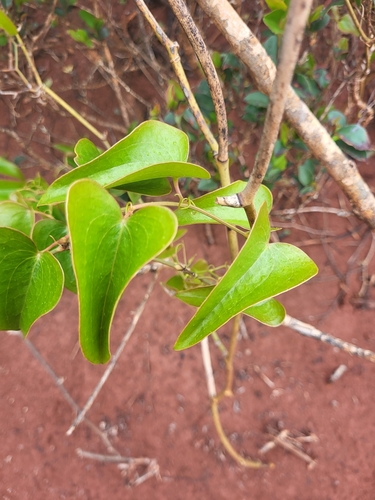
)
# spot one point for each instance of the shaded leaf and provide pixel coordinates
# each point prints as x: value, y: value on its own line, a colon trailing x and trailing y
x: 153, y: 150
x: 355, y: 136
x: 10, y: 169
x: 31, y: 281
x: 354, y: 152
x: 107, y: 251
x: 260, y: 271
x: 45, y: 232
x: 257, y: 99
x: 236, y: 216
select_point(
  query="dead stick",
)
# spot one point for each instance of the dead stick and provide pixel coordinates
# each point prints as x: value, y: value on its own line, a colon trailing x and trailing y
x: 313, y: 333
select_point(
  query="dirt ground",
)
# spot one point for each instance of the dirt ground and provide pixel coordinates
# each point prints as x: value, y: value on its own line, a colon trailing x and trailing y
x: 155, y: 402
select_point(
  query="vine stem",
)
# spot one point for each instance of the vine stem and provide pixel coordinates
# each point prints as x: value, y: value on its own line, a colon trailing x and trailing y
x: 293, y: 35
x: 191, y: 207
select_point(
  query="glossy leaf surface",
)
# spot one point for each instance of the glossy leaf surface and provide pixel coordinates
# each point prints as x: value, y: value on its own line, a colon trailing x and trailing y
x: 45, y: 232
x: 16, y: 216
x: 107, y: 251
x: 153, y: 150
x: 31, y: 282
x: 260, y: 271
x: 236, y: 216
x: 270, y: 312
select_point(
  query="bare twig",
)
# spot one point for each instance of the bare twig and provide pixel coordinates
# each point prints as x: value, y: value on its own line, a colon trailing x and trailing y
x: 313, y: 333
x: 291, y: 444
x: 172, y: 50
x: 183, y: 15
x: 293, y: 35
x: 208, y: 368
x: 114, y: 359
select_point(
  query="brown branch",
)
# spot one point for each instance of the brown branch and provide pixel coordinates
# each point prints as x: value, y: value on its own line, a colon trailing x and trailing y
x: 293, y: 35
x: 246, y: 46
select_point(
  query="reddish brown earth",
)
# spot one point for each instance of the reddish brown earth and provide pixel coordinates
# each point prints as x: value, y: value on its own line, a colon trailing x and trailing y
x: 155, y: 403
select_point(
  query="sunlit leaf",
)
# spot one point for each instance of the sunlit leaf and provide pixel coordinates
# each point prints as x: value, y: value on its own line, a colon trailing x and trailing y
x: 260, y: 272
x: 153, y: 150
x: 31, y: 281
x: 85, y: 151
x: 7, y: 25
x: 107, y: 251
x: 347, y: 26
x: 16, y: 216
x: 270, y: 312
x: 275, y: 21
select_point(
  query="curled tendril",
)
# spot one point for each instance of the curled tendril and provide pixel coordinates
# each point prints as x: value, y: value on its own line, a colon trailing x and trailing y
x: 186, y: 201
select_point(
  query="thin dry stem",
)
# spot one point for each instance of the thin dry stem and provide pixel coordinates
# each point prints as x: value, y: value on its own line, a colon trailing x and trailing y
x: 183, y: 15
x: 313, y: 333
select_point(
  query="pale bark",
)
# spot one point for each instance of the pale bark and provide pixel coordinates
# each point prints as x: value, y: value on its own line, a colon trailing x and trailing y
x: 247, y: 47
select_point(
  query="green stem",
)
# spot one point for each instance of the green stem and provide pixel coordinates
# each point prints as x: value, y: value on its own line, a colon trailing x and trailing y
x: 191, y: 207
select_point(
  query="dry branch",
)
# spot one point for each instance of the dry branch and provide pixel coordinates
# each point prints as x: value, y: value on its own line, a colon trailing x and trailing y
x: 312, y: 332
x: 248, y: 48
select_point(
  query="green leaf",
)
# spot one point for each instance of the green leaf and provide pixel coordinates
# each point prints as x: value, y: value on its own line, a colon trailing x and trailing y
x: 337, y: 118
x: 308, y: 85
x: 257, y: 99
x: 306, y: 172
x: 45, y: 232
x: 347, y: 26
x: 275, y: 21
x: 270, y: 312
x: 271, y: 47
x: 85, y: 151
x: 355, y: 136
x: 153, y: 187
x: 7, y: 25
x: 276, y: 5
x: 260, y: 272
x: 9, y: 187
x: 354, y: 152
x: 31, y: 282
x: 10, y: 169
x: 153, y: 150
x: 107, y: 251
x: 91, y: 21
x: 235, y: 216
x: 81, y: 36
x: 16, y: 216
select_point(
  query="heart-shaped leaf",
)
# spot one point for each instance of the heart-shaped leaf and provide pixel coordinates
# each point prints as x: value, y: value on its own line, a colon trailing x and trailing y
x: 107, y: 251
x: 85, y: 151
x: 235, y: 216
x: 31, y: 282
x: 45, y: 232
x: 153, y: 150
x: 16, y: 216
x: 260, y: 271
x: 270, y: 312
